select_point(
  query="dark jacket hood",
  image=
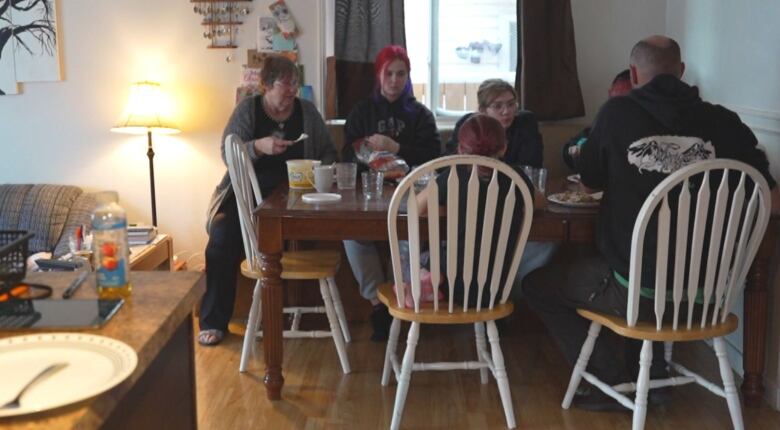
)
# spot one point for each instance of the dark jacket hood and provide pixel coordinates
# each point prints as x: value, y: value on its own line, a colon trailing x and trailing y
x: 667, y: 99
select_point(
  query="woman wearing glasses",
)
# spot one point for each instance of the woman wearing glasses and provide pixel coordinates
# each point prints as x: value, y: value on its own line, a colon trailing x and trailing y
x: 269, y: 125
x: 498, y: 99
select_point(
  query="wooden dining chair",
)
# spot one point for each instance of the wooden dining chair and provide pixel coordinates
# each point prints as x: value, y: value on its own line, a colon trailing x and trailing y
x: 320, y: 265
x: 513, y: 193
x: 703, y: 254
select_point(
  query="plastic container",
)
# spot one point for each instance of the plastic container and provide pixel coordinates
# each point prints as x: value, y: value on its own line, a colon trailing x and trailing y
x: 110, y: 251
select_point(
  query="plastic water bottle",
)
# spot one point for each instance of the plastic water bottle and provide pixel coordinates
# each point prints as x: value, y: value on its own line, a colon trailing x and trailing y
x: 110, y: 250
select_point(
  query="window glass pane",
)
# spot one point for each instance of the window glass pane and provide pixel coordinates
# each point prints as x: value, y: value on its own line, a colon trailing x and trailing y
x: 476, y: 41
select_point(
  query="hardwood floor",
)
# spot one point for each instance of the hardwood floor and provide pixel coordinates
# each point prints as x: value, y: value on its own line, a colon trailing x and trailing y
x: 317, y: 395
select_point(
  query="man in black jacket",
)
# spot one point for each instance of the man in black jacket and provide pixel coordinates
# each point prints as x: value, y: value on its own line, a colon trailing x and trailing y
x: 636, y: 141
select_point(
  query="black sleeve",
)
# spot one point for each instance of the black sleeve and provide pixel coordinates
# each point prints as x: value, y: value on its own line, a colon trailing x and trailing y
x: 749, y: 151
x: 592, y: 162
x: 426, y: 144
x: 452, y: 145
x: 581, y: 136
x: 527, y: 136
x: 354, y: 129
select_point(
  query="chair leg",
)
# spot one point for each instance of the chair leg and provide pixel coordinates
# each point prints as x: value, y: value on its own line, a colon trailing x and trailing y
x: 582, y: 363
x: 406, y: 375
x: 334, y: 294
x: 479, y: 333
x: 500, y: 374
x: 335, y: 330
x: 668, y: 346
x: 392, y: 342
x: 255, y: 312
x: 735, y: 408
x: 642, y: 385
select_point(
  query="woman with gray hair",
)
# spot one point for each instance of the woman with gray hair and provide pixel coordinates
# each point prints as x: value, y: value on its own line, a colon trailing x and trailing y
x: 269, y: 124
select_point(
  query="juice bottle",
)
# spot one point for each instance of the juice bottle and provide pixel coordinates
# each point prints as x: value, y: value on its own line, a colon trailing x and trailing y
x: 110, y: 250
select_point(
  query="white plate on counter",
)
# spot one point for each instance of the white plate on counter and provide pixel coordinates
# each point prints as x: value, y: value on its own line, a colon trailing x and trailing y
x: 94, y: 364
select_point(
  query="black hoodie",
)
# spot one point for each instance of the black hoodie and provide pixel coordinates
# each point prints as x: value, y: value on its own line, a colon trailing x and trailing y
x: 639, y: 139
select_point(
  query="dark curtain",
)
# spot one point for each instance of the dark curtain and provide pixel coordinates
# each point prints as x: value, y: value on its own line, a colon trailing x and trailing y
x: 547, y: 79
x: 362, y: 29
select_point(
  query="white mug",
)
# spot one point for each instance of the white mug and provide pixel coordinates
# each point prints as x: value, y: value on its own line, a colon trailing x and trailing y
x: 323, y: 178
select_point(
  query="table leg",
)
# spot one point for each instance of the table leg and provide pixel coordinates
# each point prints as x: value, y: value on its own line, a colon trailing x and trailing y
x: 271, y: 246
x: 755, y: 324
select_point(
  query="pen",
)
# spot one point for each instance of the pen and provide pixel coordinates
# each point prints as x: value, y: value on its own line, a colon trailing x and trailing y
x: 75, y: 285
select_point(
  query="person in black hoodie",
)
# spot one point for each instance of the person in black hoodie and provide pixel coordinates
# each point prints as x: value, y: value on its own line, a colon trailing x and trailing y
x: 389, y: 120
x: 497, y: 98
x: 660, y: 108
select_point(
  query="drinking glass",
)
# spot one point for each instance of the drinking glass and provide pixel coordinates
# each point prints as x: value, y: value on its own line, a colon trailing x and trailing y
x: 323, y: 178
x: 541, y: 179
x: 346, y: 175
x: 372, y: 184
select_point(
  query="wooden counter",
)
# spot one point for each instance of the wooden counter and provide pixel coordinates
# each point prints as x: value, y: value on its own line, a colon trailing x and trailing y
x: 157, y: 324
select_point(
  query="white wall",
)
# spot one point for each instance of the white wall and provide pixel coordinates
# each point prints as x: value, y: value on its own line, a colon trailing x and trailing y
x: 59, y: 132
x: 605, y: 31
x: 731, y: 53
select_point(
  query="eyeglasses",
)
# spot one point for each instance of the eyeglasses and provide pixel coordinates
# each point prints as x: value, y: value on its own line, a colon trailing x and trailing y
x: 286, y: 85
x: 510, y: 105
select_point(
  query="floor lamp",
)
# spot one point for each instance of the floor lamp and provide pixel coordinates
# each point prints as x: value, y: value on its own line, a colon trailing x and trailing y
x: 145, y: 114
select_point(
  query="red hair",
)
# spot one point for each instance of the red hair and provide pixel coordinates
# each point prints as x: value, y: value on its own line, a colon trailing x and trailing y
x: 481, y: 135
x: 387, y: 55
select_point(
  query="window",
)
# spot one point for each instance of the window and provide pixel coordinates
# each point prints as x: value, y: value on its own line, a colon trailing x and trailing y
x: 454, y: 45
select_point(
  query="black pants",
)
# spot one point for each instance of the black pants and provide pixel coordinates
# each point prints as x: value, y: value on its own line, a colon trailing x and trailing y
x: 579, y: 277
x: 224, y: 253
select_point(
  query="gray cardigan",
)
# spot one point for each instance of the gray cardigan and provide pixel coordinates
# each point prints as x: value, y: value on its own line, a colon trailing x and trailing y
x: 318, y: 146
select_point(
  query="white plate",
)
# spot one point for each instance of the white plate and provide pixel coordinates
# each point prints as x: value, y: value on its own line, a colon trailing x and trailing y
x: 95, y: 364
x: 556, y: 198
x: 321, y: 197
x: 575, y: 178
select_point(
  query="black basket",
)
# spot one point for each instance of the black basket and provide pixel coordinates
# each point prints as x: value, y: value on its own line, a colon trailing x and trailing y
x: 13, y: 257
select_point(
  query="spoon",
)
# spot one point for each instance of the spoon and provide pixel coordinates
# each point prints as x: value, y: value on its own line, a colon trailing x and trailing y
x: 301, y: 137
x: 51, y: 369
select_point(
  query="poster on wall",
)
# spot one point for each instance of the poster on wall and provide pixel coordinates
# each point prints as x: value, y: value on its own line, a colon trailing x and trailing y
x: 7, y: 74
x: 28, y: 43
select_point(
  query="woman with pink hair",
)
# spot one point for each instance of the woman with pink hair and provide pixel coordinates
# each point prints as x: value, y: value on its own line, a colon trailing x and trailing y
x: 390, y: 120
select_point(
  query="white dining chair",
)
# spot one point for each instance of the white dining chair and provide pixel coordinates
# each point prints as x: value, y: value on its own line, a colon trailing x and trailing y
x: 319, y: 265
x: 703, y: 253
x: 514, y: 193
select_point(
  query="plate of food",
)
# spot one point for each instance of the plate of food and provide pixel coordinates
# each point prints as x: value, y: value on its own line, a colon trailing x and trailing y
x: 575, y: 178
x: 576, y: 199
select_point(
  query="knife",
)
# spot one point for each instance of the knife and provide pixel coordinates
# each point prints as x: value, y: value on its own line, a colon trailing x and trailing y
x: 75, y: 285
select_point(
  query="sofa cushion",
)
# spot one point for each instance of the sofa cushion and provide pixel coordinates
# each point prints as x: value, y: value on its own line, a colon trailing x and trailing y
x: 44, y: 212
x: 80, y: 214
x: 11, y: 201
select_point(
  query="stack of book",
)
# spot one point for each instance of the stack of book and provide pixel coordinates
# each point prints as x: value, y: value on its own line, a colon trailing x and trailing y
x: 140, y: 234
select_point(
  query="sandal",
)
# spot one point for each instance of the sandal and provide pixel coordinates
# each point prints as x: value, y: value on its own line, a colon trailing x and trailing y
x: 210, y: 337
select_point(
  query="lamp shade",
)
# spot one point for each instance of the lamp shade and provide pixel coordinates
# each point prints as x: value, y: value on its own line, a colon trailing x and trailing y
x: 145, y: 111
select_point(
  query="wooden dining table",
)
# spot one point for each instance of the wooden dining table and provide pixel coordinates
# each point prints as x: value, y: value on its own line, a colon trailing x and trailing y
x: 284, y: 216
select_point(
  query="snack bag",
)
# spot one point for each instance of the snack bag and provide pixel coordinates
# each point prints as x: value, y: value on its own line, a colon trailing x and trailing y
x: 388, y: 163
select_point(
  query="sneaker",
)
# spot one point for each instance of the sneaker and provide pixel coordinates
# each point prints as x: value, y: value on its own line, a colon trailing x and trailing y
x: 380, y: 321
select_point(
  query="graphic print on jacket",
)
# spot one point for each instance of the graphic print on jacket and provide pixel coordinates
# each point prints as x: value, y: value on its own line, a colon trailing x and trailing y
x: 391, y: 127
x: 666, y: 154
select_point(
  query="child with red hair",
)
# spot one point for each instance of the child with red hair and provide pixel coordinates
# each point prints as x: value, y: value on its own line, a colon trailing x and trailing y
x: 481, y: 135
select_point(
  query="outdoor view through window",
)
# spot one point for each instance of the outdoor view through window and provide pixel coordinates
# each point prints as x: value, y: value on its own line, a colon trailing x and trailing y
x: 456, y: 44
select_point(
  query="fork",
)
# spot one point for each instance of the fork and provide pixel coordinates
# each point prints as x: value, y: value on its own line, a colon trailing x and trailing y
x: 13, y: 404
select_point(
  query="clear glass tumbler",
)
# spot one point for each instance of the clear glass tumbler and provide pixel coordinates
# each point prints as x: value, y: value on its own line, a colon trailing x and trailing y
x: 372, y: 184
x: 346, y: 175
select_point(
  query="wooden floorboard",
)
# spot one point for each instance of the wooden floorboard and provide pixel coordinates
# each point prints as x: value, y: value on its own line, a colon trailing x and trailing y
x: 318, y: 396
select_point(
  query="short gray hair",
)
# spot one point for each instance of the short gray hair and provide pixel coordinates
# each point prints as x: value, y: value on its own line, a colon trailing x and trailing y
x: 657, y: 57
